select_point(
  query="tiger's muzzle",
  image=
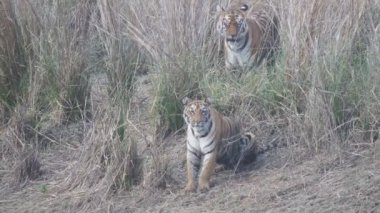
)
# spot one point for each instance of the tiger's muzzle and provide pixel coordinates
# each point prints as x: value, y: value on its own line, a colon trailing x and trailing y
x: 198, y: 125
x: 235, y: 39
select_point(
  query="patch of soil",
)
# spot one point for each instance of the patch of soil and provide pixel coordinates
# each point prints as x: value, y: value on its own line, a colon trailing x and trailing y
x: 350, y: 186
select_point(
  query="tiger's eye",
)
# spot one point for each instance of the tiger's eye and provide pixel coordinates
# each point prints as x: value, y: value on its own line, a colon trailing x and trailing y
x: 244, y: 7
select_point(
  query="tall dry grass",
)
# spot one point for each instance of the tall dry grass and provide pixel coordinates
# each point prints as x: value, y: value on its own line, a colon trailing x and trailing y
x: 63, y: 43
x: 327, y: 68
x: 12, y: 72
x: 322, y: 93
x: 45, y: 74
x: 108, y: 159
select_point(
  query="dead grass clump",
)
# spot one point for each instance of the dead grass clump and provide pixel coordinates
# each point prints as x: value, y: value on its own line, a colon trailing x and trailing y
x: 28, y: 167
x: 105, y: 162
x: 319, y: 127
x: 156, y: 172
x: 17, y: 136
x: 19, y: 149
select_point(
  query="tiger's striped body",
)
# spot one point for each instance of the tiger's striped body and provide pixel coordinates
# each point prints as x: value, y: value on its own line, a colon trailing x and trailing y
x: 211, y: 139
x: 250, y: 34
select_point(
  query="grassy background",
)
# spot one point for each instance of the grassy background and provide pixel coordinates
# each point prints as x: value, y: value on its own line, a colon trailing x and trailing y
x: 322, y: 93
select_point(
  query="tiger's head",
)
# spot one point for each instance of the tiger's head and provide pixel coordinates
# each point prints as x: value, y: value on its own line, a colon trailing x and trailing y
x: 197, y: 114
x: 232, y: 23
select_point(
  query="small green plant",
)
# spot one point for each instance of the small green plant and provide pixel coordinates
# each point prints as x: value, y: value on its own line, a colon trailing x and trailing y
x: 168, y: 108
x: 43, y: 188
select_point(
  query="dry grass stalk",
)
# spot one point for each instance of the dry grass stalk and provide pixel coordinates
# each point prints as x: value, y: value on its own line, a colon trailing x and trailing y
x: 12, y: 59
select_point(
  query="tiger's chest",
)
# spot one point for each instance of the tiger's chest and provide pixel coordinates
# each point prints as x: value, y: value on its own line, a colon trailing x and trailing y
x: 241, y: 57
x: 204, y: 144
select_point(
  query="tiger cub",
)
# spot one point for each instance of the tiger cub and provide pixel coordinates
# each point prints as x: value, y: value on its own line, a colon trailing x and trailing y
x: 212, y: 138
x: 250, y: 34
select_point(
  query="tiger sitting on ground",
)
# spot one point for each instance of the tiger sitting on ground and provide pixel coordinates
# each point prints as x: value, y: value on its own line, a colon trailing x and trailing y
x: 212, y: 138
x: 250, y: 33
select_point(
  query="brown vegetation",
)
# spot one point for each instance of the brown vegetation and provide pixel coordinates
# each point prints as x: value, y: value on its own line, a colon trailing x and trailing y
x: 91, y: 116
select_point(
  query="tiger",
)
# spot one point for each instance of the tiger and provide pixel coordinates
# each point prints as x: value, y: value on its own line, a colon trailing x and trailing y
x: 250, y: 34
x: 213, y: 140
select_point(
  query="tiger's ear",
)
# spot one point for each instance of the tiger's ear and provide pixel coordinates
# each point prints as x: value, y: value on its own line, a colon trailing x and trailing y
x: 208, y: 100
x: 219, y: 8
x: 186, y: 100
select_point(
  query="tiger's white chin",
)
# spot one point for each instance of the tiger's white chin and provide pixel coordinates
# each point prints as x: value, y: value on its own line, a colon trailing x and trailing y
x: 201, y: 129
x: 236, y: 43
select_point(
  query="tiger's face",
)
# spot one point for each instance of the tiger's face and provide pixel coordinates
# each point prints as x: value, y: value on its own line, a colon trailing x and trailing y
x: 232, y: 23
x: 197, y: 114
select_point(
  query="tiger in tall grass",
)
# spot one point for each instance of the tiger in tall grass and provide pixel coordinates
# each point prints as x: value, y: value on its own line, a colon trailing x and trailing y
x: 212, y: 139
x: 250, y: 34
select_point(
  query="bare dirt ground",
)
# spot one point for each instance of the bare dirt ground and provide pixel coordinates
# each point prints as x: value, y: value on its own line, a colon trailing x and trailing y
x: 281, y: 180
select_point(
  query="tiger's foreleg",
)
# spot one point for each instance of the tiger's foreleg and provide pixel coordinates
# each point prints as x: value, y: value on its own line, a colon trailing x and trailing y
x: 231, y: 62
x: 208, y: 169
x: 193, y: 163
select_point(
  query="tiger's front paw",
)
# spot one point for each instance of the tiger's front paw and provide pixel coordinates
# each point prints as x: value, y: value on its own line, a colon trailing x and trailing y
x: 189, y: 188
x: 219, y: 168
x: 204, y: 187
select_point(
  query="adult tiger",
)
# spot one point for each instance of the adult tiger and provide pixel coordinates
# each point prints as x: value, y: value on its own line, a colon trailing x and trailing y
x: 250, y: 33
x: 212, y: 138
